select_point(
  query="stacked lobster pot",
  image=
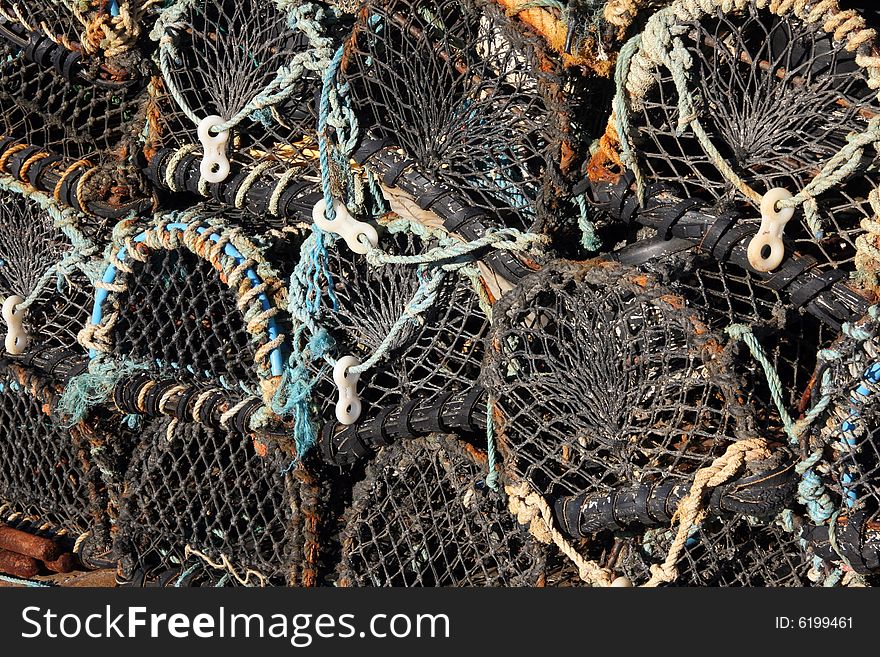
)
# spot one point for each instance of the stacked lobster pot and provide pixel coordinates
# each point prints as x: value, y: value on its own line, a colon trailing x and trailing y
x: 439, y: 293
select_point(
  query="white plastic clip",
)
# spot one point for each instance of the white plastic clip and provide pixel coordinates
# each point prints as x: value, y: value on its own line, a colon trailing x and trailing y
x: 770, y: 233
x: 17, y: 338
x: 346, y: 226
x: 348, y: 407
x: 214, y: 167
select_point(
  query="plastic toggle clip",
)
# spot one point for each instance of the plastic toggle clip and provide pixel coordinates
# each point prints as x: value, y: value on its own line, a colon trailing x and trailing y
x: 17, y: 338
x: 770, y: 233
x: 348, y: 407
x: 346, y: 226
x: 215, y: 166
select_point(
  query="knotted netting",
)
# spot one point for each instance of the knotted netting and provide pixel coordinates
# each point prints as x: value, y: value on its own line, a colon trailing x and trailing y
x: 465, y: 116
x: 256, y: 68
x: 45, y: 262
x: 106, y: 27
x: 187, y: 298
x: 615, y: 406
x: 417, y: 334
x: 68, y: 133
x: 209, y: 507
x: 423, y: 516
x: 705, y: 106
x: 51, y: 484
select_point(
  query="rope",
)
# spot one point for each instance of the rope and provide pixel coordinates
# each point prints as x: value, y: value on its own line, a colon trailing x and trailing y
x: 491, y: 454
x: 18, y: 581
x: 691, y: 510
x: 531, y: 509
x: 226, y: 565
x: 661, y: 45
x: 305, y: 17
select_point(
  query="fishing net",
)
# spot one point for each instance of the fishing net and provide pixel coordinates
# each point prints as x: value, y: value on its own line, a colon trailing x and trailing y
x: 613, y: 401
x: 417, y: 364
x: 69, y: 137
x: 841, y: 468
x: 732, y: 551
x: 206, y: 507
x: 423, y: 516
x: 50, y: 482
x: 257, y: 67
x: 467, y: 114
x: 192, y: 301
x: 705, y: 110
x: 107, y: 27
x: 42, y: 257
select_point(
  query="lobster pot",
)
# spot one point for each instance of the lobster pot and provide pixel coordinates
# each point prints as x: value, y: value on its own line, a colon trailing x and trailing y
x: 208, y: 507
x: 470, y: 119
x: 50, y: 479
x: 93, y: 27
x: 751, y: 70
x: 599, y: 377
x: 67, y: 133
x: 233, y: 60
x: 34, y: 243
x: 189, y: 299
x: 611, y: 398
x: 437, y: 355
x: 746, y: 99
x: 423, y: 516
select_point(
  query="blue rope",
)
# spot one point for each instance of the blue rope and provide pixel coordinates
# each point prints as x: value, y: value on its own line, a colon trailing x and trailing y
x: 492, y: 477
x: 30, y: 583
x: 186, y: 573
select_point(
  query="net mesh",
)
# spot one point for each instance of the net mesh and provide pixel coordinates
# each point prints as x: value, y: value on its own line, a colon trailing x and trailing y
x: 424, y: 517
x: 220, y: 57
x: 474, y: 100
x: 438, y: 352
x: 191, y: 488
x: 70, y: 127
x: 48, y: 477
x: 733, y: 551
x: 177, y: 311
x: 600, y: 377
x: 77, y: 24
x: 32, y: 245
x: 751, y: 72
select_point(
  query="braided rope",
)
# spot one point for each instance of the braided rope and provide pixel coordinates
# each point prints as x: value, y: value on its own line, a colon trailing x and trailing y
x: 305, y: 17
x: 531, y: 509
x: 691, y: 510
x: 258, y: 295
x: 660, y: 45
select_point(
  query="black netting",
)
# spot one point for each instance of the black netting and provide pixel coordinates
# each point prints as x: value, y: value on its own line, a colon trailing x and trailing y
x: 778, y: 98
x: 475, y: 100
x: 423, y: 516
x: 221, y: 56
x: 601, y: 378
x: 191, y: 486
x: 47, y: 472
x: 726, y: 294
x: 438, y: 353
x: 178, y: 311
x: 69, y: 22
x: 31, y: 246
x: 732, y: 551
x: 66, y: 118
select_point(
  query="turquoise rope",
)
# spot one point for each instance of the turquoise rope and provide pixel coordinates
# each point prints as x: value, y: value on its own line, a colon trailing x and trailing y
x: 492, y: 477
x: 30, y: 583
